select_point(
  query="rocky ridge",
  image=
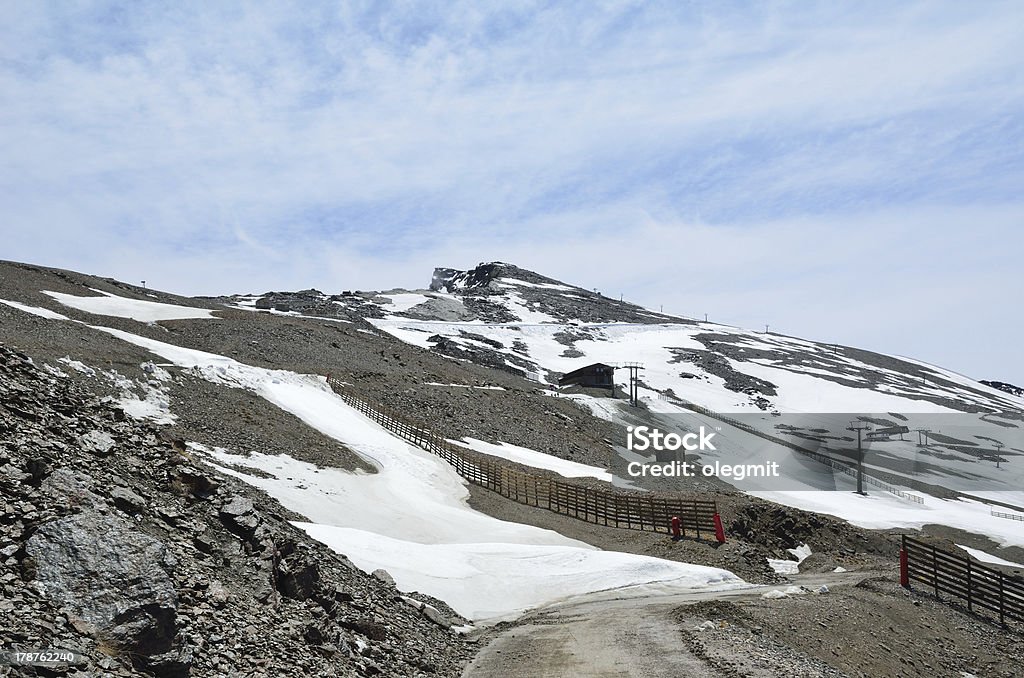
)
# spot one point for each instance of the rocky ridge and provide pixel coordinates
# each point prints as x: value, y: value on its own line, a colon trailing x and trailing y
x: 505, y: 295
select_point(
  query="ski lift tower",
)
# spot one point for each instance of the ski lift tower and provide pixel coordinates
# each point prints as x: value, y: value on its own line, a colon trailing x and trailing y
x: 634, y: 381
x: 859, y: 427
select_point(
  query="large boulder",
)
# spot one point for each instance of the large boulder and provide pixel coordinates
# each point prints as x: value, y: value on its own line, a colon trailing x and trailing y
x: 110, y: 576
x: 239, y: 516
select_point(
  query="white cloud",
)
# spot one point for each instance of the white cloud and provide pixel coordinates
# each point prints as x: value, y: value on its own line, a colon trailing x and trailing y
x: 216, y: 148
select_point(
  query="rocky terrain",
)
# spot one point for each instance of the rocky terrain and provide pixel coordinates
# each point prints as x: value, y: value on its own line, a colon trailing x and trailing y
x: 846, y: 624
x: 478, y: 287
x: 119, y: 546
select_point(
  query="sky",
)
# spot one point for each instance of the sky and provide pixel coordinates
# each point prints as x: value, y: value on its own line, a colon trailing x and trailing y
x: 846, y: 172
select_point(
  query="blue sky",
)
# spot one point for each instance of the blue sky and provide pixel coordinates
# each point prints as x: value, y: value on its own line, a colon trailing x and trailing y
x: 848, y: 172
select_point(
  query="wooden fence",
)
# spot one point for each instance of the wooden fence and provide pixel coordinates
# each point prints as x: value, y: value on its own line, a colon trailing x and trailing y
x: 1008, y: 516
x: 958, y: 576
x: 599, y: 506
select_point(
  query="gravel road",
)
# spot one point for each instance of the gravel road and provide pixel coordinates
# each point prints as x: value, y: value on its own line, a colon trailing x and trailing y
x: 614, y: 634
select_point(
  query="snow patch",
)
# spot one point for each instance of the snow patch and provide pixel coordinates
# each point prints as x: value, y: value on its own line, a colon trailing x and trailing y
x: 493, y: 581
x: 35, y: 310
x: 154, y: 405
x: 528, y: 457
x: 77, y: 366
x: 399, y: 303
x: 988, y: 557
x: 790, y: 567
x: 481, y: 388
x: 134, y: 309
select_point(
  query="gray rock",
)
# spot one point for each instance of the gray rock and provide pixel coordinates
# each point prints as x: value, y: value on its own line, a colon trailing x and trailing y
x: 384, y: 576
x: 218, y: 594
x: 71, y: 490
x: 440, y: 308
x: 127, y: 501
x: 110, y: 576
x: 238, y: 506
x: 436, y: 616
x: 173, y: 664
x: 99, y: 443
x: 194, y: 482
x: 240, y: 517
x: 296, y: 578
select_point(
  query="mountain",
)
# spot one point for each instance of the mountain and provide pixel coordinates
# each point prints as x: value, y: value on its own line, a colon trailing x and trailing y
x: 279, y: 530
x: 505, y: 317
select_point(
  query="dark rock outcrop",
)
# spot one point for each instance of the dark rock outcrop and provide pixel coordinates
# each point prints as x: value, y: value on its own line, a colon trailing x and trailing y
x: 111, y: 576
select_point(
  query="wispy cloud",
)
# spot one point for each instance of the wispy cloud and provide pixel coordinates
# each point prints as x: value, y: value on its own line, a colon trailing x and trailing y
x: 816, y: 153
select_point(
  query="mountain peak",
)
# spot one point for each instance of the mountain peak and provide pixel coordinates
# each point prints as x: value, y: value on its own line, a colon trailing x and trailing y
x: 483, y: 276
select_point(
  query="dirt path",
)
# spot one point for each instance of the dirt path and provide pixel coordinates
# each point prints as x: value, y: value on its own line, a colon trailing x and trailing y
x: 613, y: 641
x: 609, y: 635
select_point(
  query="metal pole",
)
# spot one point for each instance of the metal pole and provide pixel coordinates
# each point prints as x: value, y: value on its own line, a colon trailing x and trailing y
x: 858, y: 427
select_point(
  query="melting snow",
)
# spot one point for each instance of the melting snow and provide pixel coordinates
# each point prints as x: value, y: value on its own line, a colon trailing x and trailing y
x: 35, y: 310
x: 528, y: 457
x: 155, y: 403
x: 788, y: 567
x: 411, y: 517
x: 988, y: 557
x: 404, y: 301
x: 77, y: 366
x: 481, y: 388
x: 883, y: 511
x: 135, y: 309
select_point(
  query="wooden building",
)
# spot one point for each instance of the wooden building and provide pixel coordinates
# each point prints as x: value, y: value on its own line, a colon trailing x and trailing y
x: 597, y: 375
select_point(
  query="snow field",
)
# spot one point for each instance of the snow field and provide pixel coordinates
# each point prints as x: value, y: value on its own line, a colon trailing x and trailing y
x: 495, y: 581
x: 800, y: 389
x: 988, y: 557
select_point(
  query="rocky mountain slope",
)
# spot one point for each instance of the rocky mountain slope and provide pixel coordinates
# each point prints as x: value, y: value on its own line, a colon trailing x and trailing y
x: 506, y: 317
x: 118, y: 545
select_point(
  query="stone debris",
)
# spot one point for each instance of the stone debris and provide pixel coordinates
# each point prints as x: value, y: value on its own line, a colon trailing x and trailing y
x: 117, y: 546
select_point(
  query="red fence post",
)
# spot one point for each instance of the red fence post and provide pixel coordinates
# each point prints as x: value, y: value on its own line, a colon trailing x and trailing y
x: 904, y: 569
x: 719, y: 530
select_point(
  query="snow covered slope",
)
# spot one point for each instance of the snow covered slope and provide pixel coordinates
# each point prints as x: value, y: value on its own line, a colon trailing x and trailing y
x: 508, y: 318
x: 411, y: 518
x: 502, y: 316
